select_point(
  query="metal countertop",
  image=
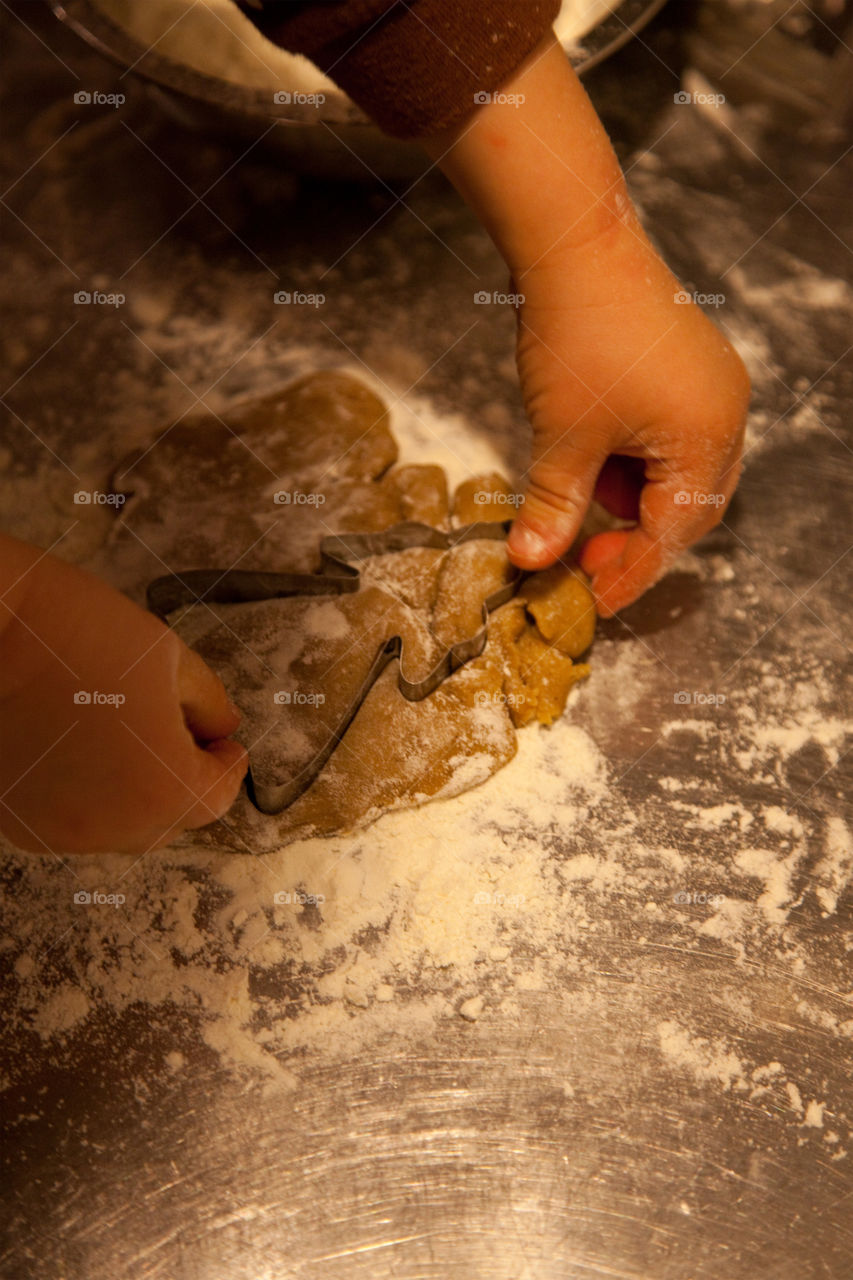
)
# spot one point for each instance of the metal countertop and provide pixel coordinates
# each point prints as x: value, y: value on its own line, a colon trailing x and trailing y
x: 462, y: 1151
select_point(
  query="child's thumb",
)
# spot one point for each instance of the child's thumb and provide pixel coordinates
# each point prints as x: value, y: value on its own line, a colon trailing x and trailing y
x: 558, y: 494
x: 208, y: 713
x: 217, y: 775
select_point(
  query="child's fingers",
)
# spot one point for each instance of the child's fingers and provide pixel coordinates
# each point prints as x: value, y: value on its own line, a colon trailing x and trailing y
x: 675, y: 511
x: 555, y: 502
x: 217, y: 771
x: 222, y: 775
x: 208, y: 713
x: 620, y: 485
x: 602, y: 550
x: 220, y: 768
x: 214, y: 770
x: 622, y: 565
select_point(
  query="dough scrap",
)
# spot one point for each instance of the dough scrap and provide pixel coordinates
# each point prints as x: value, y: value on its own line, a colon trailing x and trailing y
x: 483, y: 498
x: 204, y: 497
x: 559, y: 602
x: 537, y: 677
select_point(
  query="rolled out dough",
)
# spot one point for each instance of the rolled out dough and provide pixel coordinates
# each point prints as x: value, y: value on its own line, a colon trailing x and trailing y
x: 209, y: 494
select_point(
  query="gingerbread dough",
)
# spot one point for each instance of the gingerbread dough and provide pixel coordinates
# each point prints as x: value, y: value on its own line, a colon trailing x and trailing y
x: 208, y: 494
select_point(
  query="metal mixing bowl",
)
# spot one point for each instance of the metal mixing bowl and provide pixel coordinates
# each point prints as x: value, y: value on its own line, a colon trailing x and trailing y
x: 334, y: 139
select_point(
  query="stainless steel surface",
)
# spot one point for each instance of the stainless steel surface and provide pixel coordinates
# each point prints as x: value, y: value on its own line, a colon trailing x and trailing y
x: 559, y: 1142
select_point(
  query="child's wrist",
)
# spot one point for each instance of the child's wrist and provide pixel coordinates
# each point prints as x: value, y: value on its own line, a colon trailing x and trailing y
x: 616, y: 266
x: 528, y: 243
x: 538, y: 169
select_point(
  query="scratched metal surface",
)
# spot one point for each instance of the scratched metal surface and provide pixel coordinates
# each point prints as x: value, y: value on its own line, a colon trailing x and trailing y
x: 461, y: 1154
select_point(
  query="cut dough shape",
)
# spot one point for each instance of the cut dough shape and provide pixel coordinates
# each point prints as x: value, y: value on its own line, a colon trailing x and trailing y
x: 203, y: 498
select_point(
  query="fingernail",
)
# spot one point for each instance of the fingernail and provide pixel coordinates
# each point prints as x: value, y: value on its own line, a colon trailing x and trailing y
x: 525, y: 542
x: 235, y: 710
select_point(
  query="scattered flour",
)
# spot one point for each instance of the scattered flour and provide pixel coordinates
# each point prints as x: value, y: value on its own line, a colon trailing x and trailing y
x: 455, y: 910
x: 438, y: 891
x: 776, y: 873
x: 461, y: 907
x: 794, y: 1097
x: 813, y: 1119
x: 63, y: 1009
x: 326, y: 621
x: 719, y: 815
x: 706, y: 1059
x: 443, y: 439
x: 834, y: 873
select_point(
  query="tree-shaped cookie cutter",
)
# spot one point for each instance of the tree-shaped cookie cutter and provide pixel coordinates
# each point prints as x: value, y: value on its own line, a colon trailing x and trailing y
x: 340, y: 553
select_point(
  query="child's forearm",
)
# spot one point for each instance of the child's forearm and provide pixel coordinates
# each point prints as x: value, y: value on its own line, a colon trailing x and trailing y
x: 537, y: 167
x: 612, y: 363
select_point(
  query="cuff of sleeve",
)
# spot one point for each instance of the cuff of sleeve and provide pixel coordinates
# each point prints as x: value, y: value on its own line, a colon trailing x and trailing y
x: 416, y: 68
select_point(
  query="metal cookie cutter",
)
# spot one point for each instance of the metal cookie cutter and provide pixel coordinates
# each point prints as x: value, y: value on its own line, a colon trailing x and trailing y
x: 337, y: 576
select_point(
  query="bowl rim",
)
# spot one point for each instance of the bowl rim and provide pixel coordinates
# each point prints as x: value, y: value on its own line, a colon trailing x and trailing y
x: 117, y: 44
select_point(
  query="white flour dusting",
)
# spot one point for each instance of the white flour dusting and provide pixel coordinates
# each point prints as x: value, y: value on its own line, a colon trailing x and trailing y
x: 335, y: 947
x: 705, y: 1059
x: 424, y: 897
x: 834, y: 873
x: 464, y: 906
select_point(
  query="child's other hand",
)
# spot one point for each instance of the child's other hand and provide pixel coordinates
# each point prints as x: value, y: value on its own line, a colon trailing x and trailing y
x: 612, y: 364
x: 113, y: 734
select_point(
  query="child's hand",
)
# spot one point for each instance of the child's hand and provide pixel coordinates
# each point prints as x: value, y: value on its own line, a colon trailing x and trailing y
x: 112, y: 733
x: 610, y: 362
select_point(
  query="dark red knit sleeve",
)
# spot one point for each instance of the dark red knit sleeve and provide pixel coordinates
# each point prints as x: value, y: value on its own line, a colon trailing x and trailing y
x: 414, y: 66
